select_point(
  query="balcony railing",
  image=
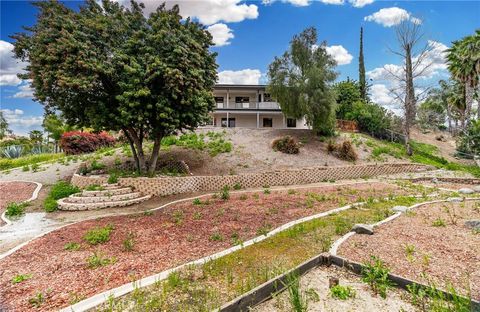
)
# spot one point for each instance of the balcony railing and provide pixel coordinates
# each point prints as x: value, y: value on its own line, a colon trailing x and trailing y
x: 250, y: 105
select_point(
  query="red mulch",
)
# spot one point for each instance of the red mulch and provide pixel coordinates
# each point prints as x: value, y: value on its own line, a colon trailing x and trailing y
x: 453, y: 250
x: 15, y: 192
x: 160, y: 243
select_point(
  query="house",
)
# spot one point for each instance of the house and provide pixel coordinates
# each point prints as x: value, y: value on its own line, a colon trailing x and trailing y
x: 249, y: 106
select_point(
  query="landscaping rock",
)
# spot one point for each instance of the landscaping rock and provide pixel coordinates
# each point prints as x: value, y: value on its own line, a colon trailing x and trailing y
x: 476, y: 188
x: 333, y: 281
x: 401, y: 209
x: 435, y: 180
x: 473, y: 224
x: 466, y: 190
x: 363, y: 229
x: 455, y: 199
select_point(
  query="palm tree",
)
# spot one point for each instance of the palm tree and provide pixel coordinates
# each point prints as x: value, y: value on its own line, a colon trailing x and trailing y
x: 463, y: 60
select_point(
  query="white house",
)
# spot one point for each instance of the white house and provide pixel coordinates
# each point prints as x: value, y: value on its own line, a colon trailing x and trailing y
x: 249, y: 106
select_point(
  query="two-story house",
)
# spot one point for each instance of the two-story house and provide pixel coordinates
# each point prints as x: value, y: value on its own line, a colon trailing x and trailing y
x: 249, y: 106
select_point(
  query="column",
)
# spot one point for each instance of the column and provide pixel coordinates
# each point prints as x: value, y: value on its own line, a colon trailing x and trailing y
x: 258, y: 120
x: 228, y: 122
x: 228, y: 96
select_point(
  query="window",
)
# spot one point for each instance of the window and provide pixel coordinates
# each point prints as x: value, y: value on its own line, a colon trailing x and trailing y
x: 291, y: 123
x: 219, y: 99
x: 267, y: 122
x: 267, y: 97
x: 242, y: 99
x: 231, y: 122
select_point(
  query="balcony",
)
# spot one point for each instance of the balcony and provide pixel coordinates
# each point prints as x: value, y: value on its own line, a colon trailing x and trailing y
x: 249, y: 106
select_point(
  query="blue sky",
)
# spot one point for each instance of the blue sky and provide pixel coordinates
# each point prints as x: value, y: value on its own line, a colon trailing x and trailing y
x: 249, y: 34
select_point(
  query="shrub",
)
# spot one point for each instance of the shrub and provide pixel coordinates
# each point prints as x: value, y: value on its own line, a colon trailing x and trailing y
x: 225, y: 194
x: 15, y: 209
x: 112, y: 178
x: 72, y: 246
x: 342, y: 292
x: 346, y: 151
x: 129, y: 242
x: 77, y: 142
x: 97, y: 260
x: 98, y: 235
x: 286, y: 144
x: 59, y: 190
x: 375, y: 273
x: 50, y: 204
x: 331, y: 146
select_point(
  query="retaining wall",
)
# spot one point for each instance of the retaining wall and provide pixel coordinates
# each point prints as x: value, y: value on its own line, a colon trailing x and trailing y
x: 161, y: 186
x: 472, y: 181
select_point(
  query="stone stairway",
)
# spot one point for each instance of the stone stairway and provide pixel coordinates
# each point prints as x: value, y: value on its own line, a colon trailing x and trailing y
x: 110, y: 195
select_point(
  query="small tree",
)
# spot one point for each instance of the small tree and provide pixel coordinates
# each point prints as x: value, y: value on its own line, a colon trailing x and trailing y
x: 362, y: 82
x: 4, y: 130
x: 36, y: 136
x: 112, y: 68
x: 348, y: 92
x: 301, y: 80
x: 55, y: 126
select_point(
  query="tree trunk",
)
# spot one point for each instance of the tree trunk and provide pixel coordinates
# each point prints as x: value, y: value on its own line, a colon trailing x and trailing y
x: 410, y: 105
x: 449, y: 116
x: 132, y: 147
x: 137, y: 142
x: 154, y: 157
x: 468, y: 103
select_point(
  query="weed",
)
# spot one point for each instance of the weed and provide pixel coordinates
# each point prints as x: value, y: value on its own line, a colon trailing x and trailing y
x: 98, y: 235
x: 342, y: 292
x: 20, y: 278
x: 72, y: 246
x: 97, y: 260
x: 375, y: 273
x: 235, y: 239
x: 237, y: 186
x: 266, y: 191
x: 197, y: 215
x: 243, y: 197
x: 94, y: 187
x: 264, y: 229
x: 37, y: 300
x: 298, y: 300
x: 409, y: 251
x: 147, y: 213
x: 26, y: 168
x: 112, y: 178
x: 432, y: 299
x: 291, y: 192
x: 215, y: 237
x: 15, y: 209
x: 129, y: 242
x: 439, y: 222
x: 451, y: 213
x: 178, y: 217
x: 225, y: 193
x: 197, y: 201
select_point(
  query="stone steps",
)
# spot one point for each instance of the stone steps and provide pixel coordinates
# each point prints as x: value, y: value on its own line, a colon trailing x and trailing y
x: 111, y: 196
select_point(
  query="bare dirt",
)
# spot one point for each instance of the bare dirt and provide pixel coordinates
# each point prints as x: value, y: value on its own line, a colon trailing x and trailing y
x: 164, y: 239
x: 447, y: 253
x: 14, y: 192
x: 316, y: 282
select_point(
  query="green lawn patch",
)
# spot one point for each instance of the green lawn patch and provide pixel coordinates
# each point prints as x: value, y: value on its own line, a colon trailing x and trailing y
x: 10, y: 163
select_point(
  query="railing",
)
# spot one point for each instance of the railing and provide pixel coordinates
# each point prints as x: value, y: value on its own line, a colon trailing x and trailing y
x: 249, y: 105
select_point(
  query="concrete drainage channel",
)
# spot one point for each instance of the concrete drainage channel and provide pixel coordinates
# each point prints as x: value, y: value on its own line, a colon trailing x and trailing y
x: 120, y: 291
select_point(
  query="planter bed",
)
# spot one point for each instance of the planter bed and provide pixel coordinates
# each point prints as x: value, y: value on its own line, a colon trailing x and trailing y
x: 167, y: 238
x: 427, y: 244
x: 14, y: 192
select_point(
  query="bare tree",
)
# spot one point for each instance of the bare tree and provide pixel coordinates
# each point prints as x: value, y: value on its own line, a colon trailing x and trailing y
x: 414, y: 53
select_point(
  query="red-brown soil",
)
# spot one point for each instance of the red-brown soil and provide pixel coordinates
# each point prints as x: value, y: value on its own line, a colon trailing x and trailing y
x: 172, y: 236
x: 14, y: 192
x: 446, y: 254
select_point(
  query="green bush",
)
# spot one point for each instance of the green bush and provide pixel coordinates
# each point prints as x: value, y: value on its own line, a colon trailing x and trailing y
x: 98, y: 235
x: 15, y: 209
x: 112, y: 178
x: 50, y: 204
x: 375, y: 273
x: 62, y: 189
x: 342, y: 292
x: 371, y: 118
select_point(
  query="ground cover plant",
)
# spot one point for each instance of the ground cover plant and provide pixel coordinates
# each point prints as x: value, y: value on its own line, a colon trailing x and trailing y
x: 15, y: 209
x: 221, y: 224
x: 213, y: 142
x: 430, y: 245
x: 10, y: 163
x: 59, y: 190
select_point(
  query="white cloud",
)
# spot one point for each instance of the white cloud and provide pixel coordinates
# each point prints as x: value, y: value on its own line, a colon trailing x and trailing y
x: 16, y: 119
x: 245, y: 76
x: 208, y: 12
x: 360, y: 3
x: 389, y: 17
x: 304, y: 2
x: 221, y: 34
x: 25, y: 91
x: 9, y: 65
x: 340, y: 54
x: 380, y: 94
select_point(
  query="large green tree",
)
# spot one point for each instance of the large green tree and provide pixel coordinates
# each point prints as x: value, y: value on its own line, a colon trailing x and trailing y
x: 302, y: 82
x: 463, y: 60
x: 347, y: 93
x: 112, y: 68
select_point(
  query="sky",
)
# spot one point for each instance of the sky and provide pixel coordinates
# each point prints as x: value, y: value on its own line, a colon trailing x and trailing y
x: 249, y: 34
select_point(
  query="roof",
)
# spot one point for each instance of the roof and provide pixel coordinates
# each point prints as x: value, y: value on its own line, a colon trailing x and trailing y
x: 239, y: 86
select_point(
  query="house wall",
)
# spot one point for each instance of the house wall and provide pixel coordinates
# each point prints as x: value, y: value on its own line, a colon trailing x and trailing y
x: 249, y: 120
